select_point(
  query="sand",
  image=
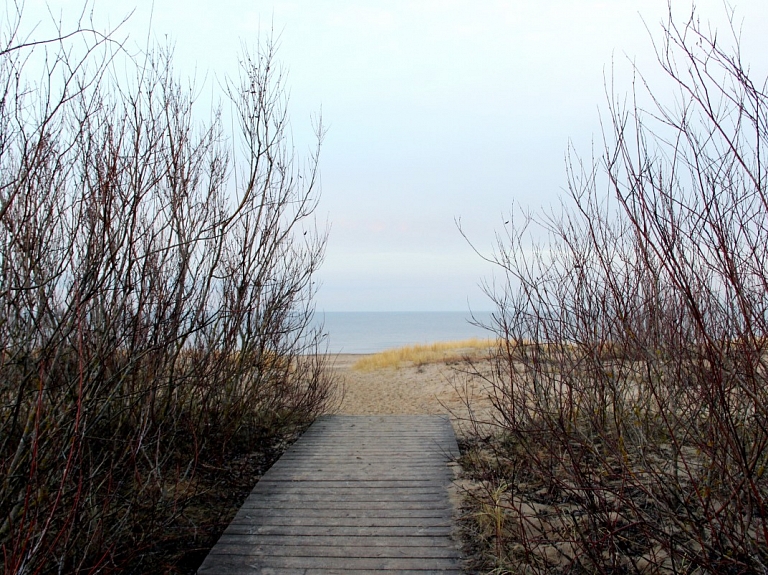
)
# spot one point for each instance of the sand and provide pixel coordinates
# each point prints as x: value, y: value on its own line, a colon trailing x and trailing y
x: 428, y: 389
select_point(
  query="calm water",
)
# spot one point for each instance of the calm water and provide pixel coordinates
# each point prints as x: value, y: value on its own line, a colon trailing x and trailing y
x: 369, y: 332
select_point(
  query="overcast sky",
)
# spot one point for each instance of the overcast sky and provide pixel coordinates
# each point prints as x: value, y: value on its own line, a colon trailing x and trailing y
x: 436, y: 110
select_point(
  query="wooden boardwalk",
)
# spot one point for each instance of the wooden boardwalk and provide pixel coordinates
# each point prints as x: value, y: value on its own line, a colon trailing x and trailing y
x: 355, y: 494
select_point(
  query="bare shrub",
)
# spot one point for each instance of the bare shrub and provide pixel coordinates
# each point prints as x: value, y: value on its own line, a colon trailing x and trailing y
x: 630, y: 392
x: 156, y: 295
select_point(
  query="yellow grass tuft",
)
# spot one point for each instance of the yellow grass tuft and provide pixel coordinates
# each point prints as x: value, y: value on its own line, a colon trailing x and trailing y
x: 438, y: 352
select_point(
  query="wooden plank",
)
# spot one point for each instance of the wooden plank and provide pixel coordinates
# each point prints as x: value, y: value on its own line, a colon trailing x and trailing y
x: 318, y: 496
x: 368, y: 519
x: 298, y: 486
x: 261, y: 504
x: 359, y: 475
x: 327, y: 540
x: 234, y: 562
x: 343, y: 531
x: 333, y: 549
x: 354, y: 495
x: 256, y: 570
x: 409, y: 516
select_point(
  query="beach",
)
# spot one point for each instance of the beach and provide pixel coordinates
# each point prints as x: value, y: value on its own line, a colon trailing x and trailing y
x: 435, y: 388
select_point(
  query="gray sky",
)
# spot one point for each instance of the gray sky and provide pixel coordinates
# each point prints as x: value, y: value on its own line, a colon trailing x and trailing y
x: 436, y: 110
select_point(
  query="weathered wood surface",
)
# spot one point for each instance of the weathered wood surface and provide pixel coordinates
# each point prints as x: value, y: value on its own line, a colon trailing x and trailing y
x: 355, y: 494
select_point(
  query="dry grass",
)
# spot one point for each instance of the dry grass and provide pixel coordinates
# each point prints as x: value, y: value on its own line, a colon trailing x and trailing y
x: 437, y: 352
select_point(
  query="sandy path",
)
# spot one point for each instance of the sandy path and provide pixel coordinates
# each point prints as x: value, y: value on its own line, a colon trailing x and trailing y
x: 429, y: 389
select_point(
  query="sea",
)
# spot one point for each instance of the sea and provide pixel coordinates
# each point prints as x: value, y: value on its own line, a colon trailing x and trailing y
x: 371, y: 332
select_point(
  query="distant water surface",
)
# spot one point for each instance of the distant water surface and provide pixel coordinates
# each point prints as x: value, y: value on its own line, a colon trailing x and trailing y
x: 370, y: 332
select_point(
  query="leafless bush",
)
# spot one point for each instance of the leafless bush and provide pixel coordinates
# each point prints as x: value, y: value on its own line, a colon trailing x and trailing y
x: 630, y: 393
x: 156, y: 294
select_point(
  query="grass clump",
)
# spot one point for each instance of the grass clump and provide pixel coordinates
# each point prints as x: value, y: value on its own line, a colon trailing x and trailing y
x: 423, y: 354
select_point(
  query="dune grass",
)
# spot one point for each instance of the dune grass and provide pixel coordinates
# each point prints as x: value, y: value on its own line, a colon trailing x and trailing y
x: 423, y: 354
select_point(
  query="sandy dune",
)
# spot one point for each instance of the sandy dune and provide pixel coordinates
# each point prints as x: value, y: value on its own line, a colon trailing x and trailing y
x: 435, y: 389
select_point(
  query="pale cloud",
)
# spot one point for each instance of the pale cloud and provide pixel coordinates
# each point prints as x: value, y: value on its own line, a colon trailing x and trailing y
x: 436, y: 109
